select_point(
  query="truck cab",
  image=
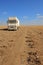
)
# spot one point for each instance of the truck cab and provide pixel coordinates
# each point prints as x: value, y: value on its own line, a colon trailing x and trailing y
x: 13, y: 23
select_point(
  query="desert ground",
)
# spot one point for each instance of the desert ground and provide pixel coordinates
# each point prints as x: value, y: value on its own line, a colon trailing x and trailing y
x: 21, y: 47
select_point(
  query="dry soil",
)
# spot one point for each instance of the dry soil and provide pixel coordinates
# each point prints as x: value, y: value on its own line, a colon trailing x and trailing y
x: 15, y: 45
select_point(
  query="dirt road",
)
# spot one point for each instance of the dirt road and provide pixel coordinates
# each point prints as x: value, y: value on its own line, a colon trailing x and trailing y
x: 15, y: 46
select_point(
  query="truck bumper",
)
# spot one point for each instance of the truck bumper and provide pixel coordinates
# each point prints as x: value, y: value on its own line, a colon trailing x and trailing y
x: 12, y: 28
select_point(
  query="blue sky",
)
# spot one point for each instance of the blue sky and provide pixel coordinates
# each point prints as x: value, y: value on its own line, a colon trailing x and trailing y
x: 28, y: 11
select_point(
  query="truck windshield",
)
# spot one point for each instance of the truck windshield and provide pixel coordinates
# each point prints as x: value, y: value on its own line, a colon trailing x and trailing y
x: 12, y: 21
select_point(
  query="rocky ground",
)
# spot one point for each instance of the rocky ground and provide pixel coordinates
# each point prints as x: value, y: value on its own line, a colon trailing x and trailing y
x: 21, y: 47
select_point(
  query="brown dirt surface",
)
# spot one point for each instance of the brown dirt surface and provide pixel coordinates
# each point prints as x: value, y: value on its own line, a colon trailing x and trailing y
x: 17, y: 46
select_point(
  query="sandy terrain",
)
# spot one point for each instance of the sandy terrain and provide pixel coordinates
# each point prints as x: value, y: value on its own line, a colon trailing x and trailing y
x: 21, y: 47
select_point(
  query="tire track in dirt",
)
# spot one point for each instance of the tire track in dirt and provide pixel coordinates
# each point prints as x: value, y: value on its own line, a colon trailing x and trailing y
x: 21, y: 47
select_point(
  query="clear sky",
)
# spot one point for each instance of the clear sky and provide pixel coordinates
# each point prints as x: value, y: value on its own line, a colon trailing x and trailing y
x: 28, y: 11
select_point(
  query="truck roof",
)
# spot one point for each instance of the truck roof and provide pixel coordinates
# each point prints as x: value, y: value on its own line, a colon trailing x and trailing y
x: 12, y: 18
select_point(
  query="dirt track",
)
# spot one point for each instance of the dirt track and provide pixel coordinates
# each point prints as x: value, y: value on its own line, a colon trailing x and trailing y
x: 15, y: 45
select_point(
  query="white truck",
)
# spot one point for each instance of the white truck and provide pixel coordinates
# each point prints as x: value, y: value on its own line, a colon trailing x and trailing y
x: 13, y: 23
